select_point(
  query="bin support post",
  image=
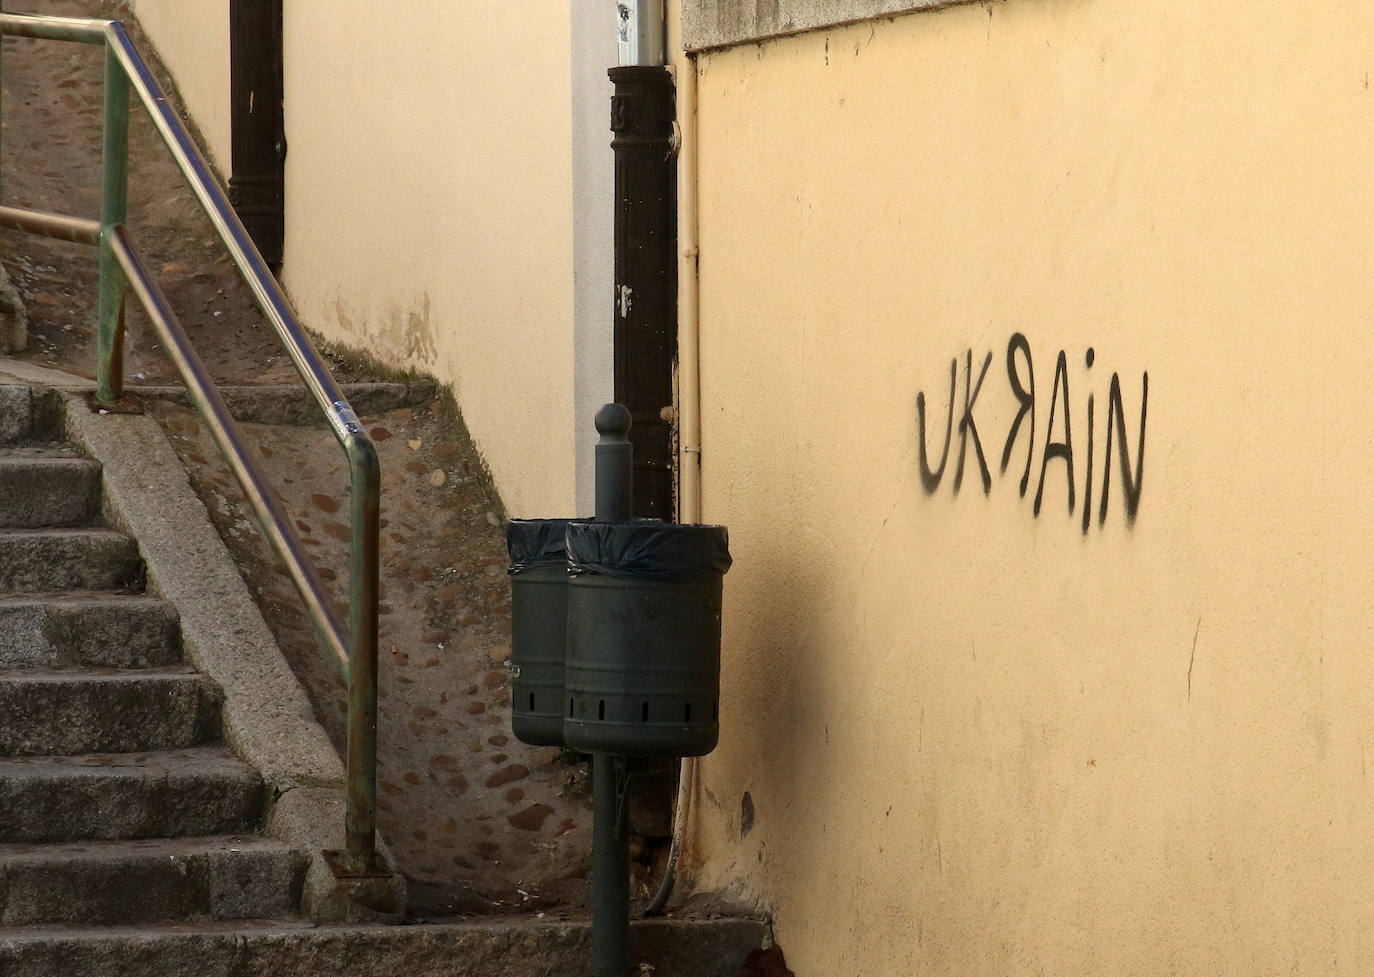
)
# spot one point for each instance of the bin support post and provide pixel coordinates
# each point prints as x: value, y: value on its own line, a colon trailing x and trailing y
x: 610, y: 828
x: 610, y: 868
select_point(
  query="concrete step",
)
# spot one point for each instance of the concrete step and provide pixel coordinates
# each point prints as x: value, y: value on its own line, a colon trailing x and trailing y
x: 46, y: 487
x: 93, y: 629
x: 68, y: 559
x: 202, y: 791
x: 511, y: 947
x: 125, y: 882
x: 29, y: 416
x: 107, y: 711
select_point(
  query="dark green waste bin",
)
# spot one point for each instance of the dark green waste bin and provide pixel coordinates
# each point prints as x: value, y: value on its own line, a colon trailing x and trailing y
x: 539, y: 601
x: 643, y: 641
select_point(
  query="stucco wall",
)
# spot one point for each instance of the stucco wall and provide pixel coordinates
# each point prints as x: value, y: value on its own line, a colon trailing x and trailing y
x: 978, y: 740
x: 434, y: 184
x: 192, y: 38
x: 429, y: 211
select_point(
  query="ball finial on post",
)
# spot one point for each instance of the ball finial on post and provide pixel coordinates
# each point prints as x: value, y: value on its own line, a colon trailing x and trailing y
x: 614, y: 465
x: 613, y: 422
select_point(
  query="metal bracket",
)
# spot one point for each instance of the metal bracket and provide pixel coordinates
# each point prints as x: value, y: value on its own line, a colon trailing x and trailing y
x: 341, y: 867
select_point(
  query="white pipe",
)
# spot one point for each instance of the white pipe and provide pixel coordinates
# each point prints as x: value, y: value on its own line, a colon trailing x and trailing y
x: 689, y: 400
x: 689, y: 307
x: 641, y: 32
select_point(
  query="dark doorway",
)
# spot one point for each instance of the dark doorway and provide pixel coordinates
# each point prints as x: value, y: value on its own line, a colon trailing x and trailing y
x: 258, y: 126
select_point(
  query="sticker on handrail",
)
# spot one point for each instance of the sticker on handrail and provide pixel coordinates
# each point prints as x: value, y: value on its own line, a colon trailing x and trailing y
x: 347, y: 418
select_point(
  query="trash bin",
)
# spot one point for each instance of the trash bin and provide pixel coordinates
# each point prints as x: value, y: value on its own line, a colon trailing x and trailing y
x: 539, y: 600
x: 642, y: 670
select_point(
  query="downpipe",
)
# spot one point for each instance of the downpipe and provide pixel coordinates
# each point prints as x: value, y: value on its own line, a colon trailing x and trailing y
x: 689, y: 408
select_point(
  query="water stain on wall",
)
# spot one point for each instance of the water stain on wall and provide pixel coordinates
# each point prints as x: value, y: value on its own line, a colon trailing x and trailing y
x: 403, y: 336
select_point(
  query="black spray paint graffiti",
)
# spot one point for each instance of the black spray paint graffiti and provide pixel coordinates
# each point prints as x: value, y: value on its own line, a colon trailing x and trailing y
x: 1058, y: 444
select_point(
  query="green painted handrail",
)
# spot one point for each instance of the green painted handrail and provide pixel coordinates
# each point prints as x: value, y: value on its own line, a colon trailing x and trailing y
x: 122, y: 270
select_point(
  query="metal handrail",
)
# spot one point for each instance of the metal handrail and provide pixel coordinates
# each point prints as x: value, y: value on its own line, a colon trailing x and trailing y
x: 121, y: 267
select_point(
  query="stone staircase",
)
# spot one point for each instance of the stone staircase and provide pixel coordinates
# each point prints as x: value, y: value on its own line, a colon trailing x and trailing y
x: 119, y: 803
x: 133, y: 840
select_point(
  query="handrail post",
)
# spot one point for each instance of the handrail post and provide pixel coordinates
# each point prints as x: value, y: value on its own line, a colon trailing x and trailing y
x: 360, y: 820
x: 114, y: 206
x: 2, y: 95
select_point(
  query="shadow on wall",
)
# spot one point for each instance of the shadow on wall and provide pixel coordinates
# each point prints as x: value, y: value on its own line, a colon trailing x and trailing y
x: 779, y: 704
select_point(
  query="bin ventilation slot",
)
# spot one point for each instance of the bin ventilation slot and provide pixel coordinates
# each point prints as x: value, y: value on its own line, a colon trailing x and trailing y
x: 644, y: 712
x: 601, y: 710
x: 531, y: 702
x: 687, y: 713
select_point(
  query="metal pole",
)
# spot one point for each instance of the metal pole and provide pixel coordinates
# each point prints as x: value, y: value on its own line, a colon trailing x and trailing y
x: 642, y: 31
x: 114, y: 205
x: 614, y: 465
x: 610, y: 868
x: 2, y: 91
x: 59, y: 226
x: 610, y: 830
x: 83, y: 30
x: 360, y: 818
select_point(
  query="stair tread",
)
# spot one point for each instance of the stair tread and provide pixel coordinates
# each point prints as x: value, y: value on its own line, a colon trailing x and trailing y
x: 55, y: 457
x: 80, y: 597
x: 42, y: 451
x: 86, y: 558
x: 98, y: 532
x: 63, y: 630
x: 163, y: 929
x: 208, y: 760
x: 12, y: 853
x: 174, y: 673
x: 291, y: 946
x: 121, y: 882
x: 106, y: 710
x: 175, y: 793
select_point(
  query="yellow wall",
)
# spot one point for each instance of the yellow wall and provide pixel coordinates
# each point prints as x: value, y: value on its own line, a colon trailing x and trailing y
x: 192, y: 38
x: 430, y: 203
x: 429, y: 211
x: 981, y: 741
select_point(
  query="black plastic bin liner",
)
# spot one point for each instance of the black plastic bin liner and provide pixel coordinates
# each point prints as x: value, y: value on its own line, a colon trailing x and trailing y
x: 537, y: 544
x: 648, y: 550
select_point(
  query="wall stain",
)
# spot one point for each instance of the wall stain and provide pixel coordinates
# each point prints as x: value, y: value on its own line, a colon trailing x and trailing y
x: 402, y: 335
x: 746, y: 815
